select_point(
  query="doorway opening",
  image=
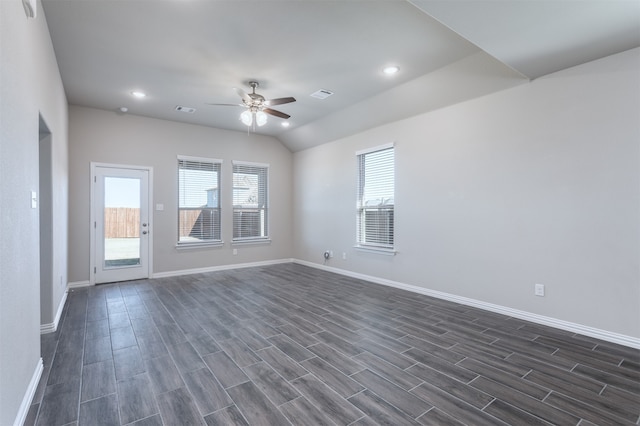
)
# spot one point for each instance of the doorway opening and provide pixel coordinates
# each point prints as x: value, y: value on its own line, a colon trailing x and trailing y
x: 45, y: 216
x: 121, y: 225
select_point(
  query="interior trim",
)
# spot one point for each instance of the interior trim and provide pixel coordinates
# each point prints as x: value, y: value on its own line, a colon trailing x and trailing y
x: 77, y: 284
x: 218, y: 268
x: 176, y: 273
x: 29, y: 394
x: 597, y: 333
x: 51, y: 327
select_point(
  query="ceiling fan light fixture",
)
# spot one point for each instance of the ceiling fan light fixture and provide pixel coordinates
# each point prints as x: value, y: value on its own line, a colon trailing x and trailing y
x: 261, y: 118
x: 257, y: 107
x: 246, y: 117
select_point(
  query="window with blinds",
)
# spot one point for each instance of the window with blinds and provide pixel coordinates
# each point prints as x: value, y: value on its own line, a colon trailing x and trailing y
x: 250, y: 201
x: 375, y: 198
x: 198, y: 200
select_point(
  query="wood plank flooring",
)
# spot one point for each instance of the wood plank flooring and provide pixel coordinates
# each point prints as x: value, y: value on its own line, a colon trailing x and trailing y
x: 288, y: 344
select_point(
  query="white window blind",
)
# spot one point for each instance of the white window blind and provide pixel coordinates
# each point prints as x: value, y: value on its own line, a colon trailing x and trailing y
x: 250, y: 201
x: 375, y: 198
x: 198, y: 201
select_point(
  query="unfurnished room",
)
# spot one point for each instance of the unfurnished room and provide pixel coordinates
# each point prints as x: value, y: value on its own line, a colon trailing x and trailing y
x: 319, y: 212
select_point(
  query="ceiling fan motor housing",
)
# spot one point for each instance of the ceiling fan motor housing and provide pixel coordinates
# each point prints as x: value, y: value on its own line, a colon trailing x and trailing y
x: 256, y: 103
x: 256, y: 99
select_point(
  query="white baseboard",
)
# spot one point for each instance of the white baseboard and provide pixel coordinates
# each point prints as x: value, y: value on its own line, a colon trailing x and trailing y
x: 177, y: 273
x: 76, y: 284
x: 51, y: 327
x: 597, y: 333
x: 219, y: 268
x: 29, y: 394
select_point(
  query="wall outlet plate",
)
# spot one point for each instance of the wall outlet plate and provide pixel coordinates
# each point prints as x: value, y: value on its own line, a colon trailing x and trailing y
x: 539, y: 289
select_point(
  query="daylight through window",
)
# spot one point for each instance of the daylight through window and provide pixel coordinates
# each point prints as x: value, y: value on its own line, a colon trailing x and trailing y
x: 250, y: 201
x: 375, y: 202
x: 198, y: 200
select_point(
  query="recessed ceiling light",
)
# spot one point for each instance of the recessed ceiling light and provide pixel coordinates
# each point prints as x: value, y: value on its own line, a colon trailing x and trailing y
x: 391, y: 69
x: 138, y: 94
x: 285, y: 124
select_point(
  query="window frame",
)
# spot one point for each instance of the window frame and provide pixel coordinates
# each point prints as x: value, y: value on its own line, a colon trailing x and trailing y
x: 217, y: 168
x: 265, y: 221
x: 362, y: 208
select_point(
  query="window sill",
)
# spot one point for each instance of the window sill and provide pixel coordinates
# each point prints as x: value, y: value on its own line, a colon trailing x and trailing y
x: 191, y: 246
x: 251, y: 241
x: 376, y: 250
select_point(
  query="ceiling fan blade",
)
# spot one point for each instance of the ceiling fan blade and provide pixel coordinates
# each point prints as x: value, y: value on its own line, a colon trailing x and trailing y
x: 276, y: 113
x: 246, y: 98
x: 279, y: 101
x: 234, y: 105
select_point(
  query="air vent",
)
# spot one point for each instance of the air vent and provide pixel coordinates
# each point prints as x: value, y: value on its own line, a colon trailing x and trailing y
x: 322, y: 94
x: 185, y: 109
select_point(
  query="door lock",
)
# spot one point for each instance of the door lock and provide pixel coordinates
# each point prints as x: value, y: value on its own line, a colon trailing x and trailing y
x: 144, y: 232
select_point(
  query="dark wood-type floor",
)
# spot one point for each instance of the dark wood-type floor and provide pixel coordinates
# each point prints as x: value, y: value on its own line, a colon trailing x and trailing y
x: 290, y: 344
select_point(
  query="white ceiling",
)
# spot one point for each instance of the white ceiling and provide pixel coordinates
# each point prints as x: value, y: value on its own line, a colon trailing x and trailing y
x: 194, y: 52
x: 538, y: 37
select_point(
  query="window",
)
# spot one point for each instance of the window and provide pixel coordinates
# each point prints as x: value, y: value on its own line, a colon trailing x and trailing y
x: 250, y: 201
x: 375, y: 198
x: 198, y: 200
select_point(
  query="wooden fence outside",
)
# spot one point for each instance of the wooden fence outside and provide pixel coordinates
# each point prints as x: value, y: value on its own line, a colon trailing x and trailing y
x: 121, y: 222
x: 188, y: 218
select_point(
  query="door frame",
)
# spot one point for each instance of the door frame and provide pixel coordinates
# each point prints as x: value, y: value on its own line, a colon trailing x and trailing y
x: 93, y: 216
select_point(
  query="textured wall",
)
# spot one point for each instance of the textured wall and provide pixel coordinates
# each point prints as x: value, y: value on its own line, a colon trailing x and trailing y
x: 534, y: 184
x: 109, y: 137
x: 31, y: 87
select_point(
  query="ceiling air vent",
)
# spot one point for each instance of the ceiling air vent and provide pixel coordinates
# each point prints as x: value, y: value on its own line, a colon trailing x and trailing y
x: 322, y: 94
x: 185, y: 109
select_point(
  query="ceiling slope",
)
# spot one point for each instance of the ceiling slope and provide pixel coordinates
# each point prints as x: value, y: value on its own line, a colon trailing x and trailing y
x: 538, y: 37
x: 191, y: 53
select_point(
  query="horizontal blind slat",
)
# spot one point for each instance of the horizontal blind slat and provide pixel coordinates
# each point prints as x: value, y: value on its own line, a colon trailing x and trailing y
x: 376, y: 188
x: 250, y: 199
x: 199, y: 215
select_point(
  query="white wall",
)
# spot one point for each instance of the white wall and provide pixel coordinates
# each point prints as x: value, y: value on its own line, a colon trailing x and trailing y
x: 30, y: 85
x: 110, y: 137
x: 535, y: 184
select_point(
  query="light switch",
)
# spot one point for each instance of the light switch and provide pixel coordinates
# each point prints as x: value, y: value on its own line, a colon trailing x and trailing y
x: 159, y: 207
x: 34, y: 199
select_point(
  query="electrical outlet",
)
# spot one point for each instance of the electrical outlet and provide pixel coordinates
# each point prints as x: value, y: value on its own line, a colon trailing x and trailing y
x: 330, y: 253
x: 344, y: 256
x: 235, y: 251
x: 539, y: 289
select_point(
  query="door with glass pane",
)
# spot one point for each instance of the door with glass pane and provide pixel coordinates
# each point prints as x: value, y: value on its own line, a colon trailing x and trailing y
x: 121, y: 224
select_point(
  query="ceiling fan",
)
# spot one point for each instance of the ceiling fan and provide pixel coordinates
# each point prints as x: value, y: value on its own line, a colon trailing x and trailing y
x: 258, y: 107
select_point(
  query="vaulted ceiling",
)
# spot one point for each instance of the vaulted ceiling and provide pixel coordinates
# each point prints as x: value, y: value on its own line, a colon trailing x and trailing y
x: 194, y: 52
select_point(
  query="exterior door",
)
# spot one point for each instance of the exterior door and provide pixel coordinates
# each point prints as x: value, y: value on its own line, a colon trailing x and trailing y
x: 121, y: 223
